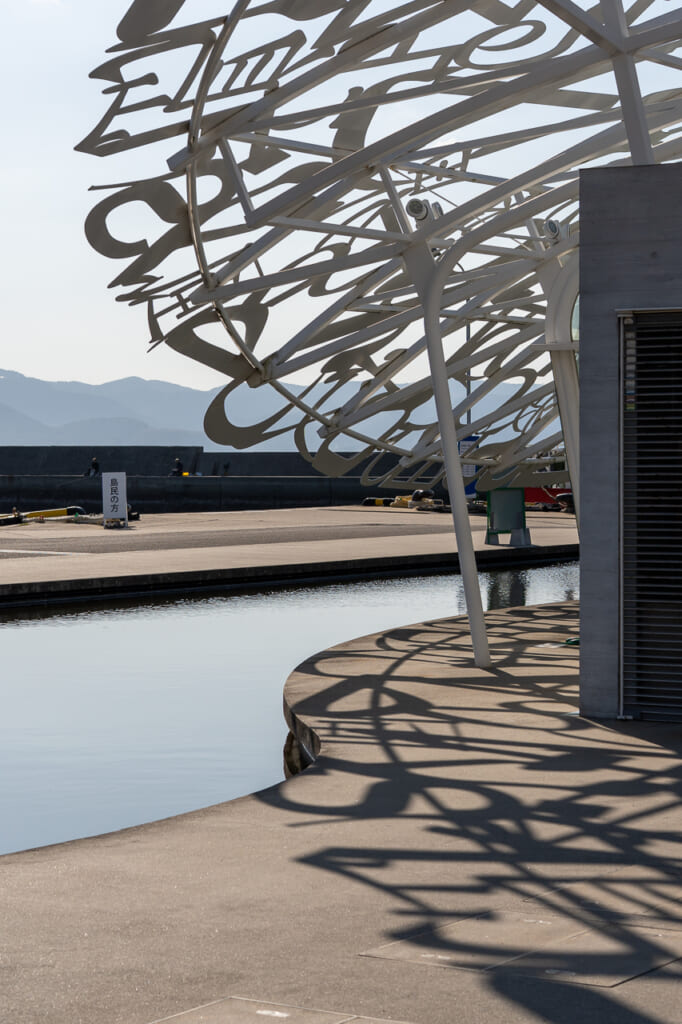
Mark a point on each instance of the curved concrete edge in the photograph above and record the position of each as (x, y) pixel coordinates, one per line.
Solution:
(305, 743)
(441, 794)
(302, 746)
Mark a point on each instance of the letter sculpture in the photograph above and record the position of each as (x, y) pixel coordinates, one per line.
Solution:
(318, 167)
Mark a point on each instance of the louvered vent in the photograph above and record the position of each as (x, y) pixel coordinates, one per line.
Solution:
(651, 529)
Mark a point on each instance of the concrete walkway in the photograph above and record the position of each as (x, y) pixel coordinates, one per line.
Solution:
(465, 849)
(59, 560)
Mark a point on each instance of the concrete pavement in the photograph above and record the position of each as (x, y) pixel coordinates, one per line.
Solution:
(59, 560)
(465, 848)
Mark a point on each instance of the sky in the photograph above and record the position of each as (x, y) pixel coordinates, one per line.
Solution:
(59, 321)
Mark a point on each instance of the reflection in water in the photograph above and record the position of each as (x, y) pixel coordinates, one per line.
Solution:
(506, 590)
(530, 586)
(117, 715)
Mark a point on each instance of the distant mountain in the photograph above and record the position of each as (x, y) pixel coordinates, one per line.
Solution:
(122, 430)
(133, 411)
(121, 412)
(18, 428)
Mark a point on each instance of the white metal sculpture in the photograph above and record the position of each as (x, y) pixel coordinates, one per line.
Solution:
(367, 204)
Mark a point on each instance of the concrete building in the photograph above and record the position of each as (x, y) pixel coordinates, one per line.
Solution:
(631, 441)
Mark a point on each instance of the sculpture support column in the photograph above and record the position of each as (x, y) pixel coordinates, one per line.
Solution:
(429, 280)
(453, 471)
(561, 283)
(565, 372)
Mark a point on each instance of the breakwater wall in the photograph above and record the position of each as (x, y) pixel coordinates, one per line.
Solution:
(32, 478)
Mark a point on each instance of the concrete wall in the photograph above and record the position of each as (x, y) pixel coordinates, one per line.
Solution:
(52, 477)
(630, 258)
(153, 460)
(63, 460)
(183, 494)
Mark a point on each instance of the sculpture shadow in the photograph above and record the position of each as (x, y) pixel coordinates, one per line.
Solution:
(498, 800)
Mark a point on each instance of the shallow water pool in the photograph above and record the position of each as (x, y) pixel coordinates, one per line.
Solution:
(115, 716)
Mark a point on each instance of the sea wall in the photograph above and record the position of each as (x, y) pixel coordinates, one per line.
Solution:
(51, 477)
(181, 494)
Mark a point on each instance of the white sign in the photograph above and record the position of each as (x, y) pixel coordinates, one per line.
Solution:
(468, 468)
(114, 499)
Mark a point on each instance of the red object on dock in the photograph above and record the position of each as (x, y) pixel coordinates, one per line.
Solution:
(544, 495)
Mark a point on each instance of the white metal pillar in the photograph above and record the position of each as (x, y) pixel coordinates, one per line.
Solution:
(429, 280)
(565, 371)
(453, 471)
(562, 292)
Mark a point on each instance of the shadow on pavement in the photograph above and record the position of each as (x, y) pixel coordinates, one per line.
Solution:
(503, 833)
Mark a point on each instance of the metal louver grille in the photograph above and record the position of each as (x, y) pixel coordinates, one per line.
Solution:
(651, 528)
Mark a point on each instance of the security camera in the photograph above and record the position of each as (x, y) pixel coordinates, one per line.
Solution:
(555, 230)
(419, 209)
(422, 209)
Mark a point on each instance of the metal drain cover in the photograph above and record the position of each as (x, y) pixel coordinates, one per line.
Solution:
(551, 946)
(236, 1010)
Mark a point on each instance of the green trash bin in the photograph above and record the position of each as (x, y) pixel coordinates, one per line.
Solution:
(507, 514)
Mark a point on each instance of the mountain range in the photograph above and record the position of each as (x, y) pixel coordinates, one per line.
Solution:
(133, 411)
(130, 411)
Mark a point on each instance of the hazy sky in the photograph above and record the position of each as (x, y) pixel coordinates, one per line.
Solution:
(59, 320)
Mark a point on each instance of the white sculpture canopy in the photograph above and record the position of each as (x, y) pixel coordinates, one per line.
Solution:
(363, 204)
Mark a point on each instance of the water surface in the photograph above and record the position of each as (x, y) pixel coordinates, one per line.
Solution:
(114, 716)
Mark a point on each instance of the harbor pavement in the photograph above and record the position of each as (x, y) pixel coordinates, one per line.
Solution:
(464, 848)
(57, 560)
